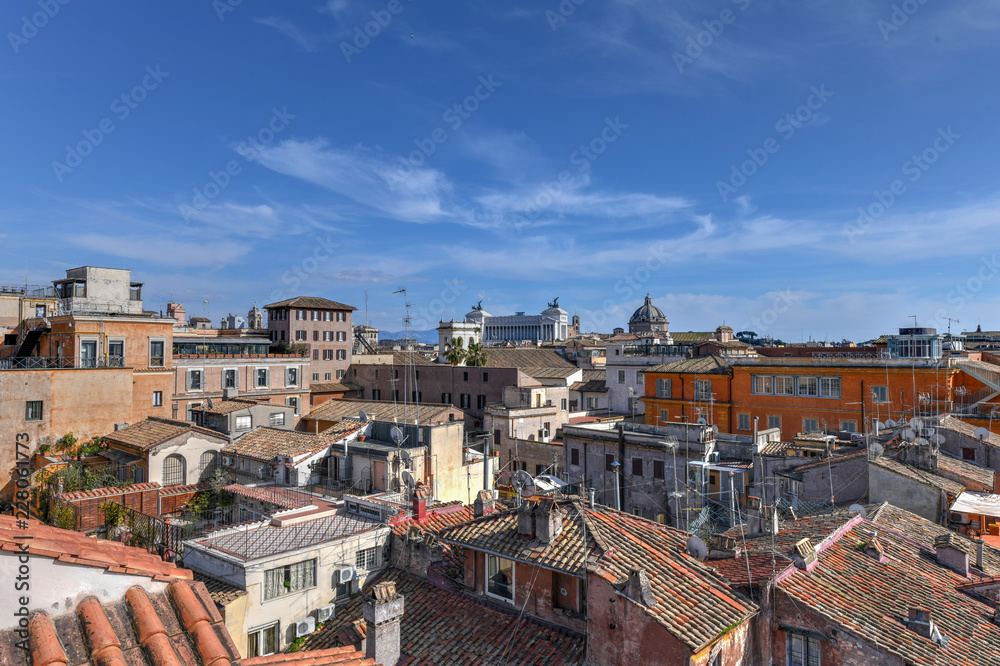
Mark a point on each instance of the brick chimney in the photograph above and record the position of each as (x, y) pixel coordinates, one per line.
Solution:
(483, 504)
(951, 556)
(176, 312)
(382, 611)
(548, 521)
(525, 520)
(420, 495)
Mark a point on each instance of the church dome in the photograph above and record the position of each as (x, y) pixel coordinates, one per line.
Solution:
(648, 313)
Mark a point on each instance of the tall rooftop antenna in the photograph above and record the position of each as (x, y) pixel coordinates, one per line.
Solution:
(366, 307)
(914, 320)
(204, 308)
(408, 351)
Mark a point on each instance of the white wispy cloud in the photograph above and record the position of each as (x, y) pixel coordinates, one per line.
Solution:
(290, 30)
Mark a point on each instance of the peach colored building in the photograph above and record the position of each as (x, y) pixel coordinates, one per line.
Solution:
(322, 325)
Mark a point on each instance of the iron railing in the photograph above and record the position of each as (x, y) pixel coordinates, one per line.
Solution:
(49, 363)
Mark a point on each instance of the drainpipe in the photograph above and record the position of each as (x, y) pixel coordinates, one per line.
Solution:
(616, 466)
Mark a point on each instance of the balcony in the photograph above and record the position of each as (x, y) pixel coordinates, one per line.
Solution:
(46, 363)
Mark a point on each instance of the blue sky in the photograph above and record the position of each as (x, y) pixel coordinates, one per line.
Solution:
(715, 154)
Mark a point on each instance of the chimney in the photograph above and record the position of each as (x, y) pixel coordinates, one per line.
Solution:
(526, 521)
(637, 588)
(980, 544)
(950, 555)
(754, 525)
(483, 504)
(548, 521)
(382, 612)
(420, 494)
(920, 621)
(230, 393)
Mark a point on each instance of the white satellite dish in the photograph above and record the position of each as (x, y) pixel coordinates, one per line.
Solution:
(879, 425)
(396, 434)
(981, 433)
(889, 423)
(405, 455)
(908, 434)
(920, 441)
(524, 483)
(210, 403)
(857, 508)
(696, 548)
(938, 438)
(916, 423)
(363, 416)
(408, 479)
(702, 420)
(877, 449)
(715, 429)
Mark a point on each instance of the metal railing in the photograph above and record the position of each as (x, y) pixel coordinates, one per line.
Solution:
(48, 363)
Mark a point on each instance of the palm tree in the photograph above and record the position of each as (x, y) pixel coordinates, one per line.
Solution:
(477, 355)
(454, 351)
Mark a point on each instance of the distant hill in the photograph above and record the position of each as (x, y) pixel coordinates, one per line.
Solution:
(429, 336)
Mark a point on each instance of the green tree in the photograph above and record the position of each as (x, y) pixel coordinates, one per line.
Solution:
(454, 351)
(477, 355)
(65, 444)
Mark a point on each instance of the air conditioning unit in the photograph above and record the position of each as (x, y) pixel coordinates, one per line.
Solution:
(713, 457)
(543, 433)
(227, 461)
(960, 518)
(324, 613)
(120, 426)
(305, 626)
(345, 575)
(262, 473)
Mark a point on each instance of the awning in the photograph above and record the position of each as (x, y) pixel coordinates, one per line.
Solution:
(980, 504)
(119, 456)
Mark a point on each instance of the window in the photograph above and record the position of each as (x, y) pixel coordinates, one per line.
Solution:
(637, 467)
(968, 454)
(116, 353)
(465, 376)
(33, 410)
(563, 404)
(446, 398)
(702, 389)
(315, 376)
(416, 396)
(500, 577)
(574, 457)
(466, 401)
(316, 355)
(326, 377)
(763, 384)
(173, 470)
(539, 469)
(664, 416)
(658, 469)
(486, 376)
(829, 387)
(376, 394)
(276, 419)
(366, 559)
(638, 377)
(326, 315)
(803, 650)
(229, 379)
(289, 578)
(157, 398)
(207, 464)
(291, 376)
(300, 335)
(809, 425)
(341, 354)
(156, 353)
(849, 426)
(341, 316)
(480, 401)
(293, 403)
(194, 380)
(773, 421)
(621, 376)
(808, 386)
(742, 421)
(262, 377)
(342, 336)
(880, 393)
(327, 354)
(609, 460)
(784, 385)
(315, 336)
(262, 642)
(340, 374)
(662, 388)
(243, 422)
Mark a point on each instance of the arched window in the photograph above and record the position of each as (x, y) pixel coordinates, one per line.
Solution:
(207, 465)
(173, 470)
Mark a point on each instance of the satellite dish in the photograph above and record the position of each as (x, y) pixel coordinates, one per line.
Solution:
(406, 456)
(921, 441)
(363, 416)
(715, 429)
(879, 425)
(696, 548)
(408, 479)
(702, 420)
(889, 423)
(210, 403)
(981, 433)
(916, 423)
(857, 508)
(524, 483)
(938, 438)
(877, 449)
(908, 434)
(396, 434)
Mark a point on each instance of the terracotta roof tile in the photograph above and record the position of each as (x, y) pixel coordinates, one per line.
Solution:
(703, 365)
(313, 302)
(152, 431)
(278, 495)
(265, 443)
(438, 518)
(377, 410)
(526, 357)
(965, 471)
(442, 627)
(232, 405)
(101, 492)
(953, 488)
(338, 656)
(221, 592)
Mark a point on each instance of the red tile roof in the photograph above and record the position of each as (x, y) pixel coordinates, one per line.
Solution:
(687, 592)
(152, 431)
(102, 492)
(312, 302)
(965, 471)
(266, 443)
(438, 518)
(277, 495)
(442, 627)
(71, 547)
(952, 488)
(341, 656)
(232, 405)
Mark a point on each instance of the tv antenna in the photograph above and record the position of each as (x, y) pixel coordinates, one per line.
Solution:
(524, 483)
(950, 320)
(914, 320)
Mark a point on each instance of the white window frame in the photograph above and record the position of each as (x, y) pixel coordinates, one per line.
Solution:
(163, 362)
(807, 387)
(310, 562)
(273, 421)
(260, 642)
(292, 375)
(762, 385)
(808, 643)
(784, 385)
(513, 579)
(365, 557)
(829, 387)
(880, 394)
(256, 378)
(663, 387)
(157, 398)
(190, 380)
(247, 420)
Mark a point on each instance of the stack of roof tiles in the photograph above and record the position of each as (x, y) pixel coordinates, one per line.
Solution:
(443, 627)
